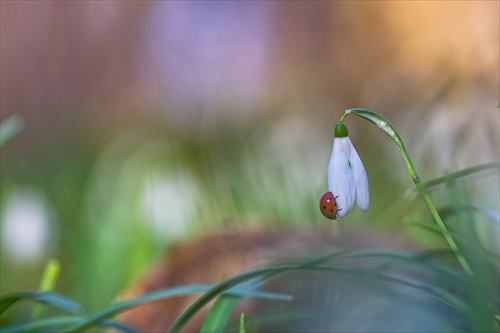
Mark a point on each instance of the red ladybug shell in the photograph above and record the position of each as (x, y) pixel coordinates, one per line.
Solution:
(328, 206)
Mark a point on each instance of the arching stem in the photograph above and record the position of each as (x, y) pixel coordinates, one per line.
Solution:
(389, 129)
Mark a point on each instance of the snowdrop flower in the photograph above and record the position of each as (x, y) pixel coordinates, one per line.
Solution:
(346, 174)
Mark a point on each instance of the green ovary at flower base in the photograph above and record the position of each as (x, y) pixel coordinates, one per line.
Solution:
(346, 174)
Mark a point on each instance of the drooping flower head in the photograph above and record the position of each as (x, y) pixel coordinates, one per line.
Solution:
(346, 174)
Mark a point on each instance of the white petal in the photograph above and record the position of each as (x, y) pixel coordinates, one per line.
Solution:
(340, 176)
(360, 180)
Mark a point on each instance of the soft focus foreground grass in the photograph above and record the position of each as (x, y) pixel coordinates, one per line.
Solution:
(118, 203)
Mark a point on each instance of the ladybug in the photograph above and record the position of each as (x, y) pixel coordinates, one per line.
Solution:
(328, 206)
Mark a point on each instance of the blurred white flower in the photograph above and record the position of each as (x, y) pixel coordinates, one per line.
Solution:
(346, 174)
(28, 231)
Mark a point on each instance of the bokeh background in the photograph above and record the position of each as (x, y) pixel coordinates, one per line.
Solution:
(149, 122)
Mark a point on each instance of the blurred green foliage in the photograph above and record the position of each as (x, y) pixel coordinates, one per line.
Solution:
(118, 203)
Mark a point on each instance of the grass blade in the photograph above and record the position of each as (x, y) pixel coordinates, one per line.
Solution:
(111, 311)
(47, 283)
(315, 264)
(219, 314)
(241, 327)
(264, 273)
(118, 326)
(46, 324)
(453, 176)
(50, 298)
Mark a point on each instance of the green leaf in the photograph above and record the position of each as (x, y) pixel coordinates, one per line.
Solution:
(380, 121)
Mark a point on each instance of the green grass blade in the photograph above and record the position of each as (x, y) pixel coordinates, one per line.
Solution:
(429, 227)
(241, 326)
(315, 264)
(50, 298)
(47, 283)
(238, 279)
(250, 292)
(9, 300)
(217, 290)
(119, 326)
(219, 314)
(451, 177)
(53, 324)
(453, 210)
(431, 185)
(430, 289)
(111, 311)
(263, 273)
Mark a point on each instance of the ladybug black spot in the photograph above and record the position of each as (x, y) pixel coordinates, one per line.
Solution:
(324, 207)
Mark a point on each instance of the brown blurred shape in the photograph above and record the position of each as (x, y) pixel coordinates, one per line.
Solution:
(224, 254)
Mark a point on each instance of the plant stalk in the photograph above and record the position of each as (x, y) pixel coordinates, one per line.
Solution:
(382, 123)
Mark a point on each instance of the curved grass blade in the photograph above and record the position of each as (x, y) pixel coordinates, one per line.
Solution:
(49, 298)
(451, 177)
(46, 324)
(266, 273)
(219, 289)
(460, 174)
(219, 314)
(450, 210)
(429, 227)
(266, 295)
(111, 311)
(435, 291)
(95, 319)
(118, 326)
(268, 317)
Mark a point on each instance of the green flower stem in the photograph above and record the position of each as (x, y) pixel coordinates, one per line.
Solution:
(389, 129)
